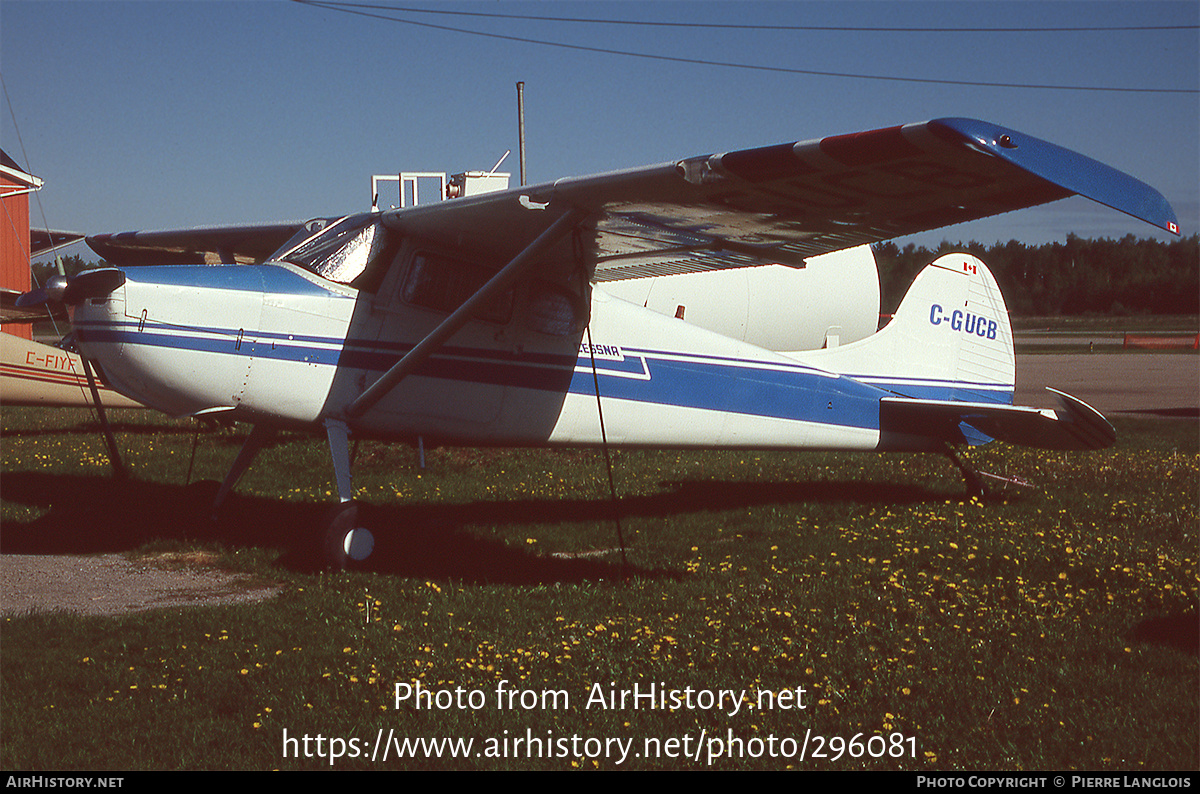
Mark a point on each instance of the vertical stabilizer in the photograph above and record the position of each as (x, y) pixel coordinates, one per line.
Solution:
(949, 340)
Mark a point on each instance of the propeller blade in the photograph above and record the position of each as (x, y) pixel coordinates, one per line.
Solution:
(37, 297)
(70, 291)
(42, 296)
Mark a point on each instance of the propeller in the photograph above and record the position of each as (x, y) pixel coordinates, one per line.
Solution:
(61, 290)
(74, 290)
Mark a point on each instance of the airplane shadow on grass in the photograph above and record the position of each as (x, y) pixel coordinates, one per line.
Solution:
(100, 514)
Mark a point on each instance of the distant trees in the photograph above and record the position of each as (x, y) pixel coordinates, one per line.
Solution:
(71, 264)
(1126, 276)
(1120, 277)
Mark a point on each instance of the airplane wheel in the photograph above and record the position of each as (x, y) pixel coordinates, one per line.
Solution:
(347, 542)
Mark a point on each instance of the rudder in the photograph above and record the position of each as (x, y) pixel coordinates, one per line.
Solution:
(949, 340)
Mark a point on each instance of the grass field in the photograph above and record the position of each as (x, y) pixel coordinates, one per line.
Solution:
(1049, 627)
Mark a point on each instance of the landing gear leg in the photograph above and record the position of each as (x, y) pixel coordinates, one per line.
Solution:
(113, 455)
(346, 541)
(974, 484)
(259, 436)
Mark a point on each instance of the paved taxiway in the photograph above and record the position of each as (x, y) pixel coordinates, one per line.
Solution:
(1163, 384)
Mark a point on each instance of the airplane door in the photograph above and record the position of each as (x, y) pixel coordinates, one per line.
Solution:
(461, 389)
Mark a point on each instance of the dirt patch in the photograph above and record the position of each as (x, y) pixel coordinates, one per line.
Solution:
(111, 584)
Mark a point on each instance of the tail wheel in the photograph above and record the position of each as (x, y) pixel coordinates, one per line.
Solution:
(347, 541)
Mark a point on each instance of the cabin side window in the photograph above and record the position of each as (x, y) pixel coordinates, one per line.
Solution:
(554, 310)
(443, 284)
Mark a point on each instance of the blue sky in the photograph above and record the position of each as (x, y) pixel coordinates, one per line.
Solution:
(153, 115)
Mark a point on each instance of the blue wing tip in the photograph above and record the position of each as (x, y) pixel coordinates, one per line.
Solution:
(1065, 168)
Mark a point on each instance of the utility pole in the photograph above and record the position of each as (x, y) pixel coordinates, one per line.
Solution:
(521, 126)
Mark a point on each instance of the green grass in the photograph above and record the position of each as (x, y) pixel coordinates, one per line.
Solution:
(1051, 627)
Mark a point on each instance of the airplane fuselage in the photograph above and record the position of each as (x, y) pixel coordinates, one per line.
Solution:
(35, 374)
(273, 343)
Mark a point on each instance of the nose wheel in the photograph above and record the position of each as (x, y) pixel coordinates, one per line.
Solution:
(343, 538)
(347, 541)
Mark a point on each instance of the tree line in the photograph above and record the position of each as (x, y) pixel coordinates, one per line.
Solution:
(72, 264)
(1116, 277)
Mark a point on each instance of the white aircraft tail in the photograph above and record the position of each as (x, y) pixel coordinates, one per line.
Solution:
(947, 357)
(949, 340)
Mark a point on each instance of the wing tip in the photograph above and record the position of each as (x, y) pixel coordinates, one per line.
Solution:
(1067, 169)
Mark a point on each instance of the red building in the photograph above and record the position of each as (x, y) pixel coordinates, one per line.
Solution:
(15, 187)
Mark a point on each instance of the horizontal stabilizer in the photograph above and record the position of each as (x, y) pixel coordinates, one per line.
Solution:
(1074, 426)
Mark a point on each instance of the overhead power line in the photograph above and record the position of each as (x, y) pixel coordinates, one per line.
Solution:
(360, 10)
(729, 26)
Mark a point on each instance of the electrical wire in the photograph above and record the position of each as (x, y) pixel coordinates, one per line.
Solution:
(728, 26)
(354, 9)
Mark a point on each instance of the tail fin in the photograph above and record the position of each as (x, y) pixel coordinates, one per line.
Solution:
(949, 340)
(947, 356)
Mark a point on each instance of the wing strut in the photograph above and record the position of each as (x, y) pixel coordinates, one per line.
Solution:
(462, 315)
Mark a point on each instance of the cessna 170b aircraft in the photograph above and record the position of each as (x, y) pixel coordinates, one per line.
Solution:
(726, 300)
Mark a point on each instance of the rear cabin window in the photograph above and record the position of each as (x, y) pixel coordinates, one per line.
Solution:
(443, 284)
(554, 310)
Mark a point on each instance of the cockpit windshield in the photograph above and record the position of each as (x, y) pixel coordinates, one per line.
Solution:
(341, 251)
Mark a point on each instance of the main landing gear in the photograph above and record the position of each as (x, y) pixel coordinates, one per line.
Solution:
(343, 539)
(347, 542)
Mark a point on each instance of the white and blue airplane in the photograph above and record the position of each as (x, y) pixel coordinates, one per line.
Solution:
(727, 300)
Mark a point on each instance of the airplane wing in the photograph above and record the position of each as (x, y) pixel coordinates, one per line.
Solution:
(40, 241)
(219, 244)
(781, 204)
(43, 241)
(777, 204)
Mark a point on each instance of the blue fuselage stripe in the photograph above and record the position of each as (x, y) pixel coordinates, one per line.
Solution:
(657, 377)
